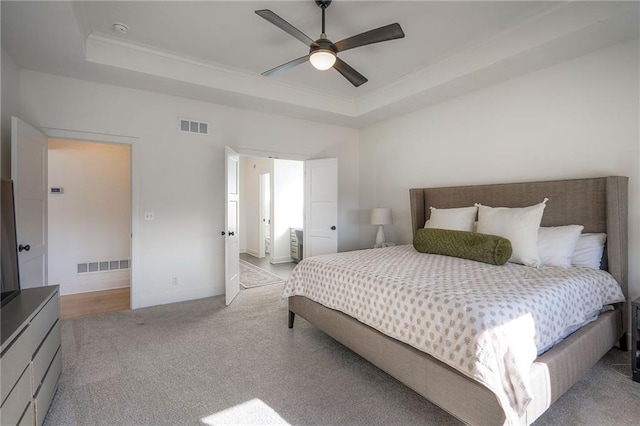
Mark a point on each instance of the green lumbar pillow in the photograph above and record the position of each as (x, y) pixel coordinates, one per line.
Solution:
(467, 245)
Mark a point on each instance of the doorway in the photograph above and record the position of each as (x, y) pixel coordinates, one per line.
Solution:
(89, 223)
(271, 210)
(319, 211)
(265, 213)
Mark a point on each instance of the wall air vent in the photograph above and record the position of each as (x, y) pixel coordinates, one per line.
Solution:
(191, 126)
(103, 266)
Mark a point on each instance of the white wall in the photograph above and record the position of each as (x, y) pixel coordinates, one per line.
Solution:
(10, 105)
(180, 176)
(250, 221)
(287, 206)
(573, 120)
(91, 220)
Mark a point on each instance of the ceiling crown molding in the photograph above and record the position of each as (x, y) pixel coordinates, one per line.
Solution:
(117, 53)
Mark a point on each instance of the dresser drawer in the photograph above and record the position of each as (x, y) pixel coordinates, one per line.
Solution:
(17, 401)
(45, 354)
(19, 354)
(48, 387)
(48, 315)
(16, 359)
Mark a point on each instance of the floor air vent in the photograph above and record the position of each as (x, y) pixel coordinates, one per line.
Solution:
(191, 126)
(103, 266)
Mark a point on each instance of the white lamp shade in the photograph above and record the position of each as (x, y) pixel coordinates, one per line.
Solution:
(322, 59)
(381, 216)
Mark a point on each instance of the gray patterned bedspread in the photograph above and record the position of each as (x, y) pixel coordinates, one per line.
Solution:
(489, 322)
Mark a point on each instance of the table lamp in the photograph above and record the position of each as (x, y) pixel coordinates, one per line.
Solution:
(380, 216)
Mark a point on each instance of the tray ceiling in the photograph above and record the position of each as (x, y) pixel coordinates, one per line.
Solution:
(216, 50)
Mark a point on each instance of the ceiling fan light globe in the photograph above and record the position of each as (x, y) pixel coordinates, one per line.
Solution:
(322, 59)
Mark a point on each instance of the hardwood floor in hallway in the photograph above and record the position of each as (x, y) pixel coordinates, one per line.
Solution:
(94, 303)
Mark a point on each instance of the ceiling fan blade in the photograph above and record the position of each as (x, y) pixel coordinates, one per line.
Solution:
(388, 32)
(285, 26)
(288, 65)
(349, 73)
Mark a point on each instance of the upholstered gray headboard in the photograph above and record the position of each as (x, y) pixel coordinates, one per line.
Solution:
(600, 204)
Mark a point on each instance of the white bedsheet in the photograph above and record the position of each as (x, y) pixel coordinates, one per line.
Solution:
(489, 322)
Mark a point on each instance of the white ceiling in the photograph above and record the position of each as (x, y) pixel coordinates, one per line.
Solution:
(216, 50)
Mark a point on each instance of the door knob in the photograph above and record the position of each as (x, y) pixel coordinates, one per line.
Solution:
(223, 233)
(333, 228)
(26, 247)
(231, 233)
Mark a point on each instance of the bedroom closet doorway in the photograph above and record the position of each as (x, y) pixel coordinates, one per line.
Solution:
(271, 218)
(89, 225)
(75, 174)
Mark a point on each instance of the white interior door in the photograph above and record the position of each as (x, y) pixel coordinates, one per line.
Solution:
(29, 151)
(321, 207)
(230, 233)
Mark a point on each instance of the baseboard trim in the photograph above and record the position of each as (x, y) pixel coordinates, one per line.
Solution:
(179, 296)
(253, 253)
(95, 291)
(281, 260)
(92, 286)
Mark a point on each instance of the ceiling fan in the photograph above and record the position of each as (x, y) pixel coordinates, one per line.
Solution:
(323, 52)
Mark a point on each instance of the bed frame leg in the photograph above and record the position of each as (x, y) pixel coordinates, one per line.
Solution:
(292, 316)
(624, 346)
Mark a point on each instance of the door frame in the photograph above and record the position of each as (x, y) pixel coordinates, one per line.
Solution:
(133, 142)
(261, 242)
(289, 156)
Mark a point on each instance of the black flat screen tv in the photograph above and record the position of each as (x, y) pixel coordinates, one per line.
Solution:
(9, 276)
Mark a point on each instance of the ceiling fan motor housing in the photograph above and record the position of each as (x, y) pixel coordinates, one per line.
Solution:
(323, 3)
(323, 44)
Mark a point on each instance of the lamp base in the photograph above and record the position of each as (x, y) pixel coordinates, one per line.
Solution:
(380, 242)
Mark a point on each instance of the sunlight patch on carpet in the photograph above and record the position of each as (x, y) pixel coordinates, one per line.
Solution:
(253, 412)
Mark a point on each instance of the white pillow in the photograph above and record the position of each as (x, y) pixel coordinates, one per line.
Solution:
(589, 250)
(556, 244)
(458, 219)
(518, 225)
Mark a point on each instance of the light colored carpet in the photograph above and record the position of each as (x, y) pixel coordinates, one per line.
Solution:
(253, 276)
(198, 362)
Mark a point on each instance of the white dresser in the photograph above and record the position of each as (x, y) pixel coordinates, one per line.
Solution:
(31, 358)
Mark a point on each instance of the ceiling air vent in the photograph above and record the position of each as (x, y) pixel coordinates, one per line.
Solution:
(192, 126)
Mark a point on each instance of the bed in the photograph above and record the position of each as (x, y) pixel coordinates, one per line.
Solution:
(599, 204)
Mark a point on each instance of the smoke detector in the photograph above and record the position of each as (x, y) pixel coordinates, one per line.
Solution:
(120, 28)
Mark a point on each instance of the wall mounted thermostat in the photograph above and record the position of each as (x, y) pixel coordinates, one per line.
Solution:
(56, 190)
